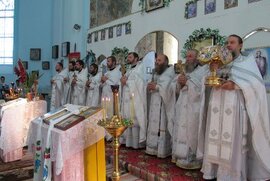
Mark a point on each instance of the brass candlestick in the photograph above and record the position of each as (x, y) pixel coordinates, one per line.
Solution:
(115, 126)
(214, 54)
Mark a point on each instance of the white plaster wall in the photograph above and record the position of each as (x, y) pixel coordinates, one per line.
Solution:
(238, 20)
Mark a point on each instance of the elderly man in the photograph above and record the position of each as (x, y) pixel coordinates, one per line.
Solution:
(235, 141)
(134, 95)
(92, 86)
(158, 140)
(58, 98)
(186, 112)
(78, 84)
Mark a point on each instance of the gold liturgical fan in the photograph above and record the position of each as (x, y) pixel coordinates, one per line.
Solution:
(115, 126)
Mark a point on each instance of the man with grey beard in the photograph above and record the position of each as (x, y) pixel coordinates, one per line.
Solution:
(184, 117)
(158, 141)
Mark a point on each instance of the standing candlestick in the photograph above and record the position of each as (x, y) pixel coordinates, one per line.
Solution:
(115, 126)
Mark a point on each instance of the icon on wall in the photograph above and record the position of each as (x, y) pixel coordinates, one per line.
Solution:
(65, 49)
(35, 53)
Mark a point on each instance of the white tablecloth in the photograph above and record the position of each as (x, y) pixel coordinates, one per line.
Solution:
(15, 119)
(67, 146)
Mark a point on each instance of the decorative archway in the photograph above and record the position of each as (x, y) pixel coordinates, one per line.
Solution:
(202, 35)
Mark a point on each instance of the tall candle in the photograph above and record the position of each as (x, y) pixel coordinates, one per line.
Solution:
(109, 108)
(103, 107)
(132, 109)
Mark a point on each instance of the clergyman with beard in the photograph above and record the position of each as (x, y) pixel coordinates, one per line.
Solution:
(78, 84)
(111, 77)
(134, 92)
(185, 115)
(234, 134)
(92, 86)
(67, 81)
(57, 82)
(158, 141)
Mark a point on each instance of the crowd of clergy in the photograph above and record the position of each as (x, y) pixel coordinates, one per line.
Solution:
(224, 129)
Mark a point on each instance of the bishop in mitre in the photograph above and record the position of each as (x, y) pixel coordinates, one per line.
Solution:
(234, 137)
(158, 141)
(186, 112)
(78, 84)
(92, 86)
(111, 77)
(58, 98)
(134, 95)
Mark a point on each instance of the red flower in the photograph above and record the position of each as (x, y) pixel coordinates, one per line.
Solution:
(20, 72)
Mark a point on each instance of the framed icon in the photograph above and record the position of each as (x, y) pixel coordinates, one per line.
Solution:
(153, 4)
(35, 53)
(55, 50)
(45, 65)
(65, 49)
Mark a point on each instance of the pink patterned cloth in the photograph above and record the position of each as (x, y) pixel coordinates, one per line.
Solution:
(15, 120)
(67, 146)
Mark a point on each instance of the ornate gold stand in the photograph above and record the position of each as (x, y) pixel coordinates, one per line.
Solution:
(115, 126)
(218, 55)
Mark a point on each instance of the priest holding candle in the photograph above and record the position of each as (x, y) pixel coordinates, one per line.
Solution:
(134, 94)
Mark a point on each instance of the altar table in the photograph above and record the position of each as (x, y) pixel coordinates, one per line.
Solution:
(15, 117)
(77, 153)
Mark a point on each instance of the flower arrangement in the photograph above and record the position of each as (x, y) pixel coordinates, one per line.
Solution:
(27, 80)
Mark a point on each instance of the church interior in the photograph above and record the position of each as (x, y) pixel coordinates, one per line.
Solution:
(154, 90)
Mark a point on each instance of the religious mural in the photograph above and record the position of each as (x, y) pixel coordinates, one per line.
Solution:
(104, 11)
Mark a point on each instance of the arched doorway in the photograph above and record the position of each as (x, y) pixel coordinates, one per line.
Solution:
(160, 42)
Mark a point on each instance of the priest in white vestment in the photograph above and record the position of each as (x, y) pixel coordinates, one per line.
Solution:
(234, 137)
(58, 97)
(67, 81)
(111, 77)
(78, 84)
(133, 102)
(92, 86)
(186, 112)
(158, 141)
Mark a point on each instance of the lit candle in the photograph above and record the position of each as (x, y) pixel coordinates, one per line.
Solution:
(109, 109)
(132, 109)
(103, 107)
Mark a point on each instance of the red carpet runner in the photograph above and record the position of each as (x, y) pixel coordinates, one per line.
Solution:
(151, 168)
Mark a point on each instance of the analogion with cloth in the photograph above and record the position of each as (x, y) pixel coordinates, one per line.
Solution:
(71, 152)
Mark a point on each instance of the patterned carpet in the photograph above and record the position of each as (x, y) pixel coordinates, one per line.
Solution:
(150, 168)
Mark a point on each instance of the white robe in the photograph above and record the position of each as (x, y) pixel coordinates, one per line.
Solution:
(78, 90)
(93, 93)
(68, 86)
(235, 142)
(114, 77)
(58, 96)
(135, 136)
(158, 140)
(186, 119)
